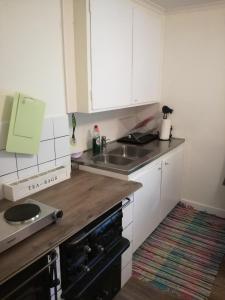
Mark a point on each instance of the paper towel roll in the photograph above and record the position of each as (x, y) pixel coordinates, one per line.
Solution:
(165, 130)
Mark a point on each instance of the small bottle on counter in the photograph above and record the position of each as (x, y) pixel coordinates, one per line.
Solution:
(96, 140)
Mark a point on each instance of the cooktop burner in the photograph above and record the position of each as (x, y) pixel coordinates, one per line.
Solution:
(22, 213)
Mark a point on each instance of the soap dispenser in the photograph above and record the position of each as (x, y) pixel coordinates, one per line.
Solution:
(96, 140)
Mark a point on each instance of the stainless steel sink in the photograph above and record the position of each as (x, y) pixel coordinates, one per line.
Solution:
(130, 151)
(112, 159)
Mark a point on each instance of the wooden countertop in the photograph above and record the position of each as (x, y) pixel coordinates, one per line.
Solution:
(82, 198)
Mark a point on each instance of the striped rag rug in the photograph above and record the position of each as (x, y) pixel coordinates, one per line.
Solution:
(182, 256)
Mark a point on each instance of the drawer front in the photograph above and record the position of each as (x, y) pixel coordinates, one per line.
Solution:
(127, 215)
(126, 274)
(128, 232)
(127, 256)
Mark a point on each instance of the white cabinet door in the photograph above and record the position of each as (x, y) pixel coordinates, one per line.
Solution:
(111, 53)
(172, 169)
(147, 53)
(147, 211)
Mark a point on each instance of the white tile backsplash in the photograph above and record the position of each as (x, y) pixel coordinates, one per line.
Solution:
(61, 126)
(63, 161)
(46, 151)
(26, 161)
(46, 166)
(7, 163)
(62, 146)
(47, 130)
(54, 151)
(28, 172)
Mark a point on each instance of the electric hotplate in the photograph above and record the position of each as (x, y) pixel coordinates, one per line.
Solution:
(22, 213)
(22, 220)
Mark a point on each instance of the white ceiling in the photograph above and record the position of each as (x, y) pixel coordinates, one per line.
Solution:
(172, 4)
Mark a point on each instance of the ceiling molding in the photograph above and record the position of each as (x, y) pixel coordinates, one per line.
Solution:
(151, 4)
(186, 7)
(195, 7)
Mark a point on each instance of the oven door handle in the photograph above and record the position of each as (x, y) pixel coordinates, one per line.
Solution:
(54, 257)
(83, 236)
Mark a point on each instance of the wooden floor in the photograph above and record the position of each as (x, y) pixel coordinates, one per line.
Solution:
(137, 290)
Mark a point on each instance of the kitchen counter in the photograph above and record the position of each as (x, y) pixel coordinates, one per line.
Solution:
(83, 198)
(156, 149)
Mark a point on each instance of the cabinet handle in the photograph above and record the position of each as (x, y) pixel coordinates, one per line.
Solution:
(159, 168)
(166, 163)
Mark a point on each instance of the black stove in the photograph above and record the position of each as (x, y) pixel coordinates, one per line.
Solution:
(91, 260)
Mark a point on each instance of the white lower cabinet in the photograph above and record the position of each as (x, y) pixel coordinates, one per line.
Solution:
(127, 256)
(160, 193)
(172, 169)
(126, 274)
(147, 206)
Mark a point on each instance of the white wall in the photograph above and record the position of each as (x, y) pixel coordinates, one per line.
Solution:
(194, 85)
(31, 62)
(31, 59)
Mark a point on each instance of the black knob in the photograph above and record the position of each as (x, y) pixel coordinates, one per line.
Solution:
(87, 249)
(57, 215)
(106, 293)
(55, 283)
(100, 248)
(85, 269)
(99, 298)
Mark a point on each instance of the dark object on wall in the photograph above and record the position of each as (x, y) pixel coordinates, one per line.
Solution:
(138, 138)
(166, 110)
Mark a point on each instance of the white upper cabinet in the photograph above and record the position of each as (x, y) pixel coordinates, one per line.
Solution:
(117, 54)
(111, 53)
(147, 54)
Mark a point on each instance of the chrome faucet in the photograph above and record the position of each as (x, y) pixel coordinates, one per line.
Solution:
(104, 141)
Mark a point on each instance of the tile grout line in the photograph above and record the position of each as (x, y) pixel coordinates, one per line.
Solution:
(17, 171)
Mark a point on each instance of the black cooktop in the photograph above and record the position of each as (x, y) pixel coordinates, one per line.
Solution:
(22, 213)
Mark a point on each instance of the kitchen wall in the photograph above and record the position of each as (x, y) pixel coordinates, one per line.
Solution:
(194, 85)
(113, 124)
(31, 57)
(31, 62)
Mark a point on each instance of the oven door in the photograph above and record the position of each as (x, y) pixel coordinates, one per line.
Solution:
(33, 283)
(103, 281)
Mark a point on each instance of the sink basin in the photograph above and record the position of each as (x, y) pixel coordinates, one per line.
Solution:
(130, 151)
(112, 159)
